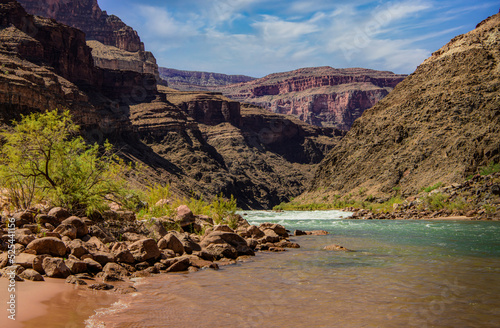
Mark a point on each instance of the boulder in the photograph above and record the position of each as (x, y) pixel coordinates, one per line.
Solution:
(222, 227)
(277, 228)
(101, 286)
(270, 237)
(219, 251)
(155, 228)
(47, 221)
(254, 232)
(55, 268)
(23, 218)
(24, 236)
(103, 257)
(336, 248)
(38, 263)
(181, 264)
(59, 214)
(97, 232)
(32, 275)
(48, 245)
(67, 230)
(189, 244)
(144, 250)
(114, 272)
(92, 265)
(133, 237)
(286, 244)
(184, 216)
(317, 232)
(95, 244)
(299, 233)
(79, 224)
(75, 281)
(122, 253)
(18, 269)
(76, 266)
(25, 260)
(77, 248)
(226, 239)
(170, 241)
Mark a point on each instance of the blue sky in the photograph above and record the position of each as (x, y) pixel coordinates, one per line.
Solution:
(259, 37)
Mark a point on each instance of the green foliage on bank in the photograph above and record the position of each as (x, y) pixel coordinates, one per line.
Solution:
(161, 202)
(42, 160)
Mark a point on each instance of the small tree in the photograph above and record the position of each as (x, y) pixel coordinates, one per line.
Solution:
(43, 159)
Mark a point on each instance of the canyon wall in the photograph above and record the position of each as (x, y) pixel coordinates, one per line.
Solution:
(441, 124)
(115, 45)
(198, 81)
(322, 96)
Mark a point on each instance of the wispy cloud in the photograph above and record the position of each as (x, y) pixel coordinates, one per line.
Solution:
(258, 37)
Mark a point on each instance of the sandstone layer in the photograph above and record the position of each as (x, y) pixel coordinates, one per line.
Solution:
(196, 81)
(115, 46)
(439, 125)
(323, 96)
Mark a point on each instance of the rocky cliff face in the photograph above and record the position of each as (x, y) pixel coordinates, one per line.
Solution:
(439, 125)
(260, 157)
(322, 96)
(200, 143)
(196, 81)
(115, 46)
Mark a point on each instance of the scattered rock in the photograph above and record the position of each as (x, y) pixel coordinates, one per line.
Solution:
(336, 248)
(25, 260)
(67, 230)
(79, 224)
(114, 272)
(48, 245)
(55, 268)
(101, 286)
(93, 266)
(74, 280)
(59, 214)
(170, 241)
(76, 266)
(184, 216)
(144, 250)
(32, 275)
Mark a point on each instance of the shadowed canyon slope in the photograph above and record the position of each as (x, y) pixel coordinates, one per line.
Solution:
(439, 125)
(323, 96)
(114, 44)
(201, 143)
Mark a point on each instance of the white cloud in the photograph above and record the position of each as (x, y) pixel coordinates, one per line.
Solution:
(274, 29)
(161, 23)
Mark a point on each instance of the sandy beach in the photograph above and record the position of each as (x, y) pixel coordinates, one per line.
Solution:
(47, 304)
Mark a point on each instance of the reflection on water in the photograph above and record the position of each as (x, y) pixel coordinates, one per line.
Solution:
(402, 274)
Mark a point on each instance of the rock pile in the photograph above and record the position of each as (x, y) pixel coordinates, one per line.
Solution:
(114, 246)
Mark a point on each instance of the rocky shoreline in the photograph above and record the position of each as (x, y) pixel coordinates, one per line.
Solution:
(475, 199)
(114, 246)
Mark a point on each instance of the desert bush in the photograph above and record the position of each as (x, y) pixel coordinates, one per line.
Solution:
(42, 159)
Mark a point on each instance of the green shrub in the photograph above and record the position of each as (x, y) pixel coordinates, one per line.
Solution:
(436, 202)
(431, 188)
(491, 168)
(42, 159)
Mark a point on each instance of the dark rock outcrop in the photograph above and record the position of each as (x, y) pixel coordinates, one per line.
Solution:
(115, 45)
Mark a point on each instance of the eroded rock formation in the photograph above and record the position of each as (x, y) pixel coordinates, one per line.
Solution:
(322, 96)
(115, 45)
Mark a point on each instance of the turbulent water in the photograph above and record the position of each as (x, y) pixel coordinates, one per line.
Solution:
(401, 274)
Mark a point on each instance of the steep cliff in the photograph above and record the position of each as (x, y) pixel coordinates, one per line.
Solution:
(200, 143)
(215, 146)
(439, 125)
(193, 81)
(322, 96)
(115, 46)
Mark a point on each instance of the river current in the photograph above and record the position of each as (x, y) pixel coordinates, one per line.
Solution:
(400, 274)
